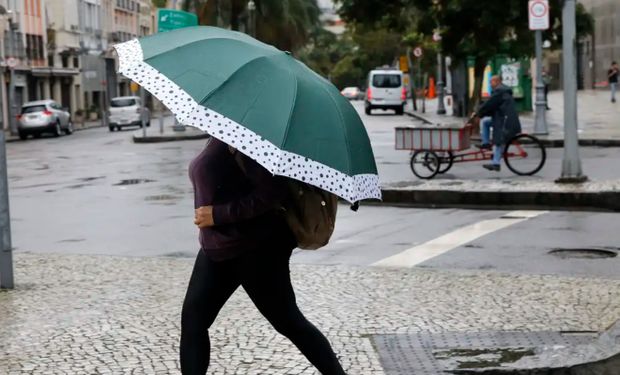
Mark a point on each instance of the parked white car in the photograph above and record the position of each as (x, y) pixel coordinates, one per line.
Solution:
(352, 93)
(43, 116)
(127, 111)
(386, 90)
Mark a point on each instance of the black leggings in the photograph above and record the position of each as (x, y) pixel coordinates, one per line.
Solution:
(265, 277)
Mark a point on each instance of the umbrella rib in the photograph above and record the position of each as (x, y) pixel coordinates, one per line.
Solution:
(346, 138)
(290, 115)
(206, 97)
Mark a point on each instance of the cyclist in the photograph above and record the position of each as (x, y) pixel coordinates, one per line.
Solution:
(504, 120)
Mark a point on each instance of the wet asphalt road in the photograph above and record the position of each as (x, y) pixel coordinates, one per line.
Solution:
(97, 192)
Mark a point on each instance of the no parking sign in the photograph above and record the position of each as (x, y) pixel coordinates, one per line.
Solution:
(538, 14)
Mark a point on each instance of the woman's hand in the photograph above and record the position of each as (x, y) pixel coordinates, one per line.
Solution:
(204, 217)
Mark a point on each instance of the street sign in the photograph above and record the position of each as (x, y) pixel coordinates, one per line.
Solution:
(12, 62)
(404, 64)
(436, 36)
(417, 52)
(170, 19)
(538, 14)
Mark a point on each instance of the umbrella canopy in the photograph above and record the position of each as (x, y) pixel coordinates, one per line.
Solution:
(260, 100)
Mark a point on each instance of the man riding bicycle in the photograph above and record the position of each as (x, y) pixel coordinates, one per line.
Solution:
(504, 120)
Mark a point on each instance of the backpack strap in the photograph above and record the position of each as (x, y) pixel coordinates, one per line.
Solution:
(238, 159)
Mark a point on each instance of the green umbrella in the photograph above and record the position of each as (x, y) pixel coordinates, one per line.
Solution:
(259, 100)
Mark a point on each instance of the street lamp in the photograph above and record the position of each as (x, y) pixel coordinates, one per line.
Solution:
(251, 17)
(6, 257)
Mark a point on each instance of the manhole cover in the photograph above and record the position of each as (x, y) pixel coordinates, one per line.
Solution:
(133, 181)
(583, 253)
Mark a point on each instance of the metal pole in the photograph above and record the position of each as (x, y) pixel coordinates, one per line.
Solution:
(3, 103)
(412, 82)
(6, 256)
(252, 21)
(540, 125)
(441, 109)
(12, 103)
(161, 121)
(571, 164)
(142, 107)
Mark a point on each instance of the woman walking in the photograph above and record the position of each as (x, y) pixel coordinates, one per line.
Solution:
(244, 242)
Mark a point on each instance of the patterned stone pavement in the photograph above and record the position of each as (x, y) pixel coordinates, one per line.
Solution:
(112, 315)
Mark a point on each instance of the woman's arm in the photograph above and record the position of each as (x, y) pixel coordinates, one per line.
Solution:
(266, 195)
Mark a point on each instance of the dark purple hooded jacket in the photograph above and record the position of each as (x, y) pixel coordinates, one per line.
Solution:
(245, 204)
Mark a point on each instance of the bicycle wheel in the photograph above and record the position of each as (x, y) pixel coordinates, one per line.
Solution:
(446, 159)
(425, 164)
(525, 155)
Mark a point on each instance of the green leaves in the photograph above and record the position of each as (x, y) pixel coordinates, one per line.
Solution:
(287, 24)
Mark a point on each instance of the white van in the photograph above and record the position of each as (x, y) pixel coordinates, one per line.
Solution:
(386, 90)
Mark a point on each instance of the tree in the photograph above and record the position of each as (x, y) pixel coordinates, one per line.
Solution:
(159, 3)
(287, 24)
(469, 28)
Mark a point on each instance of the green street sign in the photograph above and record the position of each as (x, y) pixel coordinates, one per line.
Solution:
(170, 19)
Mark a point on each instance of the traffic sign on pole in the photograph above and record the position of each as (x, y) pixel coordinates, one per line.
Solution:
(538, 11)
(417, 52)
(170, 19)
(12, 62)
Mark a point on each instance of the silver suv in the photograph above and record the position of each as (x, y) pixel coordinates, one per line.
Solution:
(43, 116)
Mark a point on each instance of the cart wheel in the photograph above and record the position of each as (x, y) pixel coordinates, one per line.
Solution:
(525, 155)
(447, 159)
(425, 164)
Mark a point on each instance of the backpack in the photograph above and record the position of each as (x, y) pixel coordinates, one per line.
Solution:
(310, 212)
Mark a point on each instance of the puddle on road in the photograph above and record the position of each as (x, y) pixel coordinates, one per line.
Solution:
(162, 198)
(179, 254)
(133, 181)
(72, 240)
(87, 179)
(480, 358)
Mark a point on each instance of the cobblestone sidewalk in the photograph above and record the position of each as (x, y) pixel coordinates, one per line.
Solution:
(111, 315)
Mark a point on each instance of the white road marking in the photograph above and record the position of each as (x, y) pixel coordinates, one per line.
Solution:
(428, 250)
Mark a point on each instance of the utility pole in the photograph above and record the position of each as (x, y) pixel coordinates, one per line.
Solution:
(252, 18)
(571, 164)
(12, 103)
(6, 248)
(540, 124)
(441, 109)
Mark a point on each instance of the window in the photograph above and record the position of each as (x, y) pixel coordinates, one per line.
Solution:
(116, 103)
(65, 61)
(33, 109)
(386, 80)
(34, 47)
(76, 62)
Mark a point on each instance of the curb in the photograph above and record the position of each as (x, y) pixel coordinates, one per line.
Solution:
(419, 117)
(169, 138)
(563, 201)
(9, 139)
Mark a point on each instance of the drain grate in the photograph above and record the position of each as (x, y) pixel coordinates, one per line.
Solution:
(424, 353)
(133, 181)
(592, 253)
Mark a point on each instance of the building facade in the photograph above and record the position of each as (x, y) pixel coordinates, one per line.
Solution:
(599, 51)
(63, 50)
